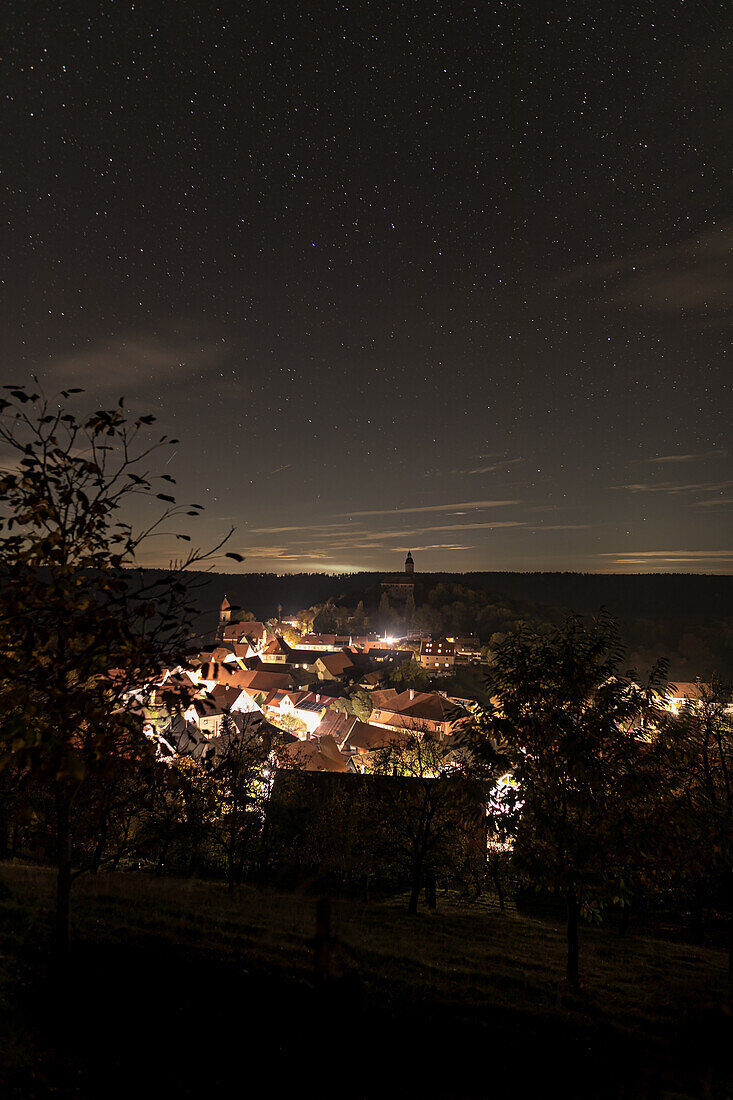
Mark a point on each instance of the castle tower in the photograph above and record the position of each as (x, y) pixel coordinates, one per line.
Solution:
(409, 563)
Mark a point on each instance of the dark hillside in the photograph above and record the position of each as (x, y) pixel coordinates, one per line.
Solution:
(662, 595)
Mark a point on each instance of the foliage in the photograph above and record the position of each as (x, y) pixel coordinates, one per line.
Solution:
(696, 793)
(357, 702)
(436, 812)
(567, 720)
(408, 674)
(81, 628)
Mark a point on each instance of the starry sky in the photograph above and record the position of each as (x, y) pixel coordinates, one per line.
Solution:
(441, 276)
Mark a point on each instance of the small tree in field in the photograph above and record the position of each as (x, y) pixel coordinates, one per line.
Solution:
(698, 807)
(434, 815)
(567, 719)
(239, 770)
(81, 628)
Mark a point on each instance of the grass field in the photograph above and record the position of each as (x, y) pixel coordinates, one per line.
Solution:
(178, 989)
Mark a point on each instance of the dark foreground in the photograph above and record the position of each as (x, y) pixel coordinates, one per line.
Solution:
(176, 989)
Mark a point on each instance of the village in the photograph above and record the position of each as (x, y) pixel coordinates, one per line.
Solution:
(324, 702)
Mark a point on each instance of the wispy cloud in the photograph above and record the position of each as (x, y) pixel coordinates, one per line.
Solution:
(133, 363)
(713, 503)
(399, 533)
(673, 488)
(477, 504)
(560, 527)
(656, 558)
(698, 457)
(503, 464)
(296, 527)
(343, 535)
(694, 274)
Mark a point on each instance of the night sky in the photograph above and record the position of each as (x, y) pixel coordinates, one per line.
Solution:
(445, 277)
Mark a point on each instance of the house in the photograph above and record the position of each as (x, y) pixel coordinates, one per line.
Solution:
(250, 631)
(364, 641)
(333, 666)
(315, 755)
(337, 724)
(305, 706)
(175, 688)
(305, 658)
(688, 694)
(207, 710)
(205, 715)
(259, 684)
(184, 738)
(263, 679)
(318, 641)
(276, 651)
(419, 712)
(467, 649)
(354, 736)
(439, 656)
(380, 652)
(244, 704)
(364, 738)
(208, 675)
(373, 678)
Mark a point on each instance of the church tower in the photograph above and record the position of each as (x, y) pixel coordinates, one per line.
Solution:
(409, 563)
(225, 616)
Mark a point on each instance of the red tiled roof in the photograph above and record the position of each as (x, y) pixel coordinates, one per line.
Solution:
(248, 629)
(366, 738)
(262, 681)
(687, 690)
(318, 755)
(336, 663)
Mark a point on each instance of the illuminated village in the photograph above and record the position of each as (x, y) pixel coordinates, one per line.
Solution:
(326, 702)
(325, 699)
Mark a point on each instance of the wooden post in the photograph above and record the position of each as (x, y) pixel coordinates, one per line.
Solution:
(430, 891)
(322, 941)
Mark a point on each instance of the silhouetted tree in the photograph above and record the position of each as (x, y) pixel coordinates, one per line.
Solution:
(434, 816)
(241, 756)
(698, 807)
(357, 702)
(81, 629)
(567, 718)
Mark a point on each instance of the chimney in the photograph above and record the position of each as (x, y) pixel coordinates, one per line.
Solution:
(412, 694)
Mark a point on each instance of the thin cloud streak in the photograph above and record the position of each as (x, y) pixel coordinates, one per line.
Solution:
(699, 457)
(670, 554)
(297, 527)
(492, 468)
(671, 488)
(435, 508)
(368, 538)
